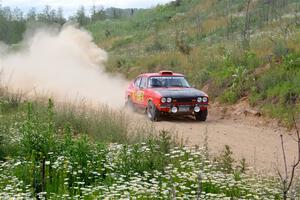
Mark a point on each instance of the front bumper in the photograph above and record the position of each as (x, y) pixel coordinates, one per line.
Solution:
(184, 108)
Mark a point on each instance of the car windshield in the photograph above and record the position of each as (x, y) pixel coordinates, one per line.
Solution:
(168, 81)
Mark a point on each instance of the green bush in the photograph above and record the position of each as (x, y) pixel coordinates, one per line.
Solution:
(226, 161)
(122, 43)
(119, 171)
(255, 98)
(250, 60)
(212, 58)
(2, 147)
(280, 49)
(57, 161)
(101, 124)
(229, 96)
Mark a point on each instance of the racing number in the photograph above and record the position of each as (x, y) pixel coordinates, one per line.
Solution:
(140, 93)
(139, 96)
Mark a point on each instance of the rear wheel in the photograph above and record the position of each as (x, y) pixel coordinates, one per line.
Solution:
(152, 112)
(201, 116)
(129, 104)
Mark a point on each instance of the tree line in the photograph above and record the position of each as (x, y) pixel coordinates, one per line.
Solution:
(13, 22)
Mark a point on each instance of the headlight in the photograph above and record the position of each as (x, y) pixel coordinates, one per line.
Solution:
(163, 100)
(199, 99)
(169, 100)
(204, 99)
(197, 109)
(174, 109)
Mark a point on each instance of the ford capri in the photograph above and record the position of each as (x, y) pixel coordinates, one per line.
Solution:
(166, 93)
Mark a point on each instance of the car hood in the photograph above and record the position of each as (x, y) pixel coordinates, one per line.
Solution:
(179, 92)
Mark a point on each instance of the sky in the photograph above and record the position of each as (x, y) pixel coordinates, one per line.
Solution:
(70, 6)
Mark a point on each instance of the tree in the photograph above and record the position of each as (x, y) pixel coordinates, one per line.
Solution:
(46, 12)
(17, 15)
(296, 13)
(116, 13)
(98, 13)
(177, 3)
(51, 16)
(60, 17)
(3, 26)
(131, 11)
(81, 17)
(198, 24)
(286, 178)
(12, 25)
(180, 34)
(45, 15)
(229, 18)
(246, 30)
(7, 13)
(31, 15)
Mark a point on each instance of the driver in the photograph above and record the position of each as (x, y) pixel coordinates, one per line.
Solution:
(155, 82)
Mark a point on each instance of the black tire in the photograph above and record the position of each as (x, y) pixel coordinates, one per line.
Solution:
(152, 112)
(201, 116)
(129, 104)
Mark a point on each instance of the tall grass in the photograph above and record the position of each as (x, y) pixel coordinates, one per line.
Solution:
(148, 42)
(101, 124)
(57, 152)
(57, 163)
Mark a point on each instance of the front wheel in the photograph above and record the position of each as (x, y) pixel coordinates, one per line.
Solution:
(152, 112)
(201, 116)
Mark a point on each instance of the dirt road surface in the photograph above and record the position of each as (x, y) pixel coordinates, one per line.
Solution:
(253, 138)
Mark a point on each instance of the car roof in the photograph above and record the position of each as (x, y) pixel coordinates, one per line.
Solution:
(160, 74)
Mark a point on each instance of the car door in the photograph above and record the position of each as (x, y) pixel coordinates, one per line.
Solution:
(143, 91)
(135, 89)
(139, 89)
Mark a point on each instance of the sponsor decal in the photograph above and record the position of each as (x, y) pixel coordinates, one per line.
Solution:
(139, 96)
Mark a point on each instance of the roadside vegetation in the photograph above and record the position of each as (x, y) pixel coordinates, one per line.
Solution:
(233, 49)
(46, 156)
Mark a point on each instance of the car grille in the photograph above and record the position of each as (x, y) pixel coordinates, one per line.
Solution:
(184, 100)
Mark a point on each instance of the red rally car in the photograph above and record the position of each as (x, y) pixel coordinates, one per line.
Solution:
(166, 93)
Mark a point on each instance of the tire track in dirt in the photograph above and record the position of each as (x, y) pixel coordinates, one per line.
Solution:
(249, 138)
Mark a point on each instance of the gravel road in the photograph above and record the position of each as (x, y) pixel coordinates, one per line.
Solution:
(253, 138)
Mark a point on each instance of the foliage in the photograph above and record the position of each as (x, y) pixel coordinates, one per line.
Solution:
(201, 39)
(123, 171)
(14, 22)
(205, 41)
(51, 159)
(72, 151)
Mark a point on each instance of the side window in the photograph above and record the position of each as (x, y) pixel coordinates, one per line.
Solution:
(137, 82)
(143, 82)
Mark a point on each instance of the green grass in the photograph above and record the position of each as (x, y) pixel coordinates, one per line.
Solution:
(18, 116)
(79, 153)
(155, 39)
(57, 163)
(73, 151)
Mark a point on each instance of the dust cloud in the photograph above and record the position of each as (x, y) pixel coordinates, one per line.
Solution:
(63, 64)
